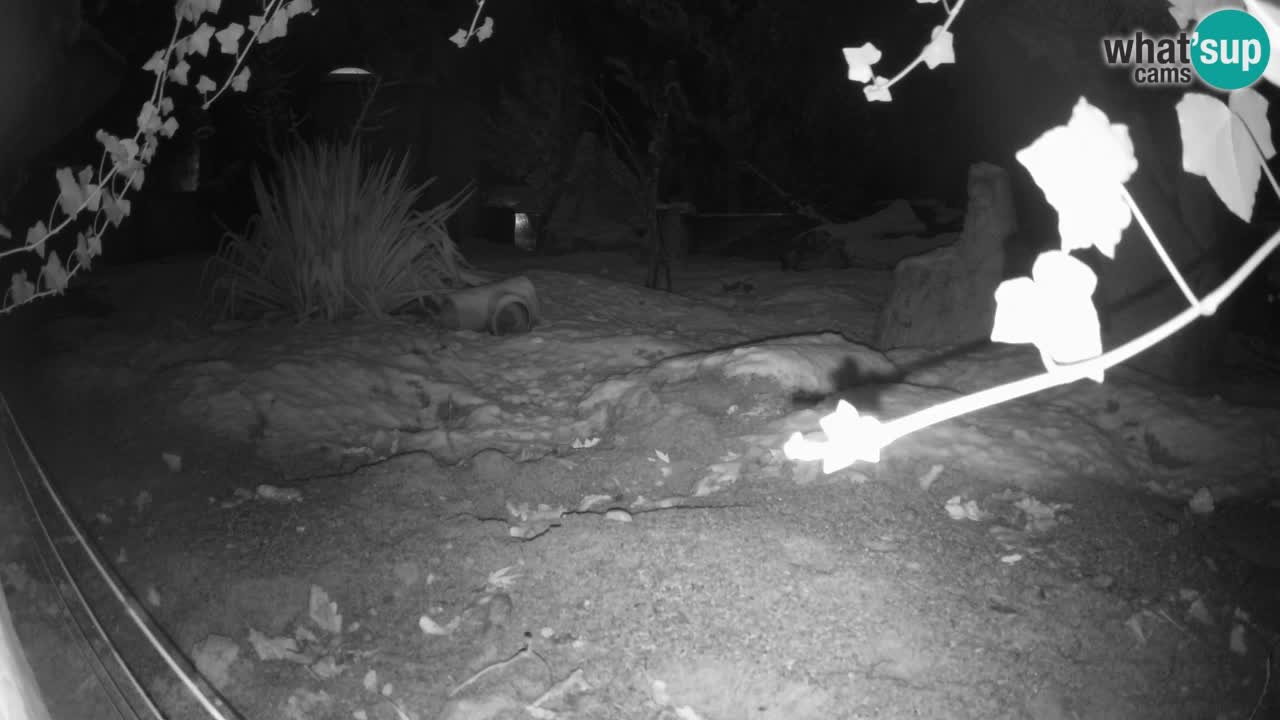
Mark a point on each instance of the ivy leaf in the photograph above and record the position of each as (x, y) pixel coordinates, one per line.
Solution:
(128, 159)
(169, 127)
(240, 82)
(229, 38)
(166, 105)
(878, 90)
(5, 234)
(459, 38)
(256, 26)
(294, 8)
(54, 273)
(193, 9)
(860, 60)
(941, 49)
(87, 248)
(199, 40)
(88, 188)
(157, 64)
(179, 72)
(21, 288)
(122, 152)
(204, 85)
(148, 119)
(148, 149)
(35, 238)
(485, 31)
(279, 24)
(70, 197)
(1081, 167)
(109, 142)
(1053, 309)
(93, 197)
(1216, 143)
(116, 209)
(268, 30)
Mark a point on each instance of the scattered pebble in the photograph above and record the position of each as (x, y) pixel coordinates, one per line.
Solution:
(500, 609)
(278, 494)
(1237, 642)
(618, 516)
(172, 460)
(1202, 502)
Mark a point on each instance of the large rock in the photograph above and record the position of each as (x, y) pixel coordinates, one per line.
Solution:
(947, 296)
(866, 243)
(879, 241)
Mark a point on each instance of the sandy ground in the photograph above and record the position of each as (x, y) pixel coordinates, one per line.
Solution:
(594, 520)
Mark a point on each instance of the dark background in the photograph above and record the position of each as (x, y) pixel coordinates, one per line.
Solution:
(764, 82)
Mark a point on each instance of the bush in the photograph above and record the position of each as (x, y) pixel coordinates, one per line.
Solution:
(336, 238)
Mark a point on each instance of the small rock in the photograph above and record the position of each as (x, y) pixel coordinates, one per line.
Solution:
(492, 466)
(1236, 640)
(213, 658)
(1202, 502)
(488, 708)
(618, 516)
(500, 609)
(305, 705)
(1199, 612)
(278, 494)
(431, 627)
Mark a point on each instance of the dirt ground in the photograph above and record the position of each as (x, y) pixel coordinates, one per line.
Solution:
(784, 594)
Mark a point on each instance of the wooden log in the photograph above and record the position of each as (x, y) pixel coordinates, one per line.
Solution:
(505, 307)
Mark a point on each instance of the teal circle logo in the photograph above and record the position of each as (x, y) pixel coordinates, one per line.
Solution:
(1230, 49)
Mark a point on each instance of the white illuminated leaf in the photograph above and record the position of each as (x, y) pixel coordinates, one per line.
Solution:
(860, 60)
(1218, 146)
(1081, 167)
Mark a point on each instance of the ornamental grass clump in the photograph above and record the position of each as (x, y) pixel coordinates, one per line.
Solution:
(336, 238)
